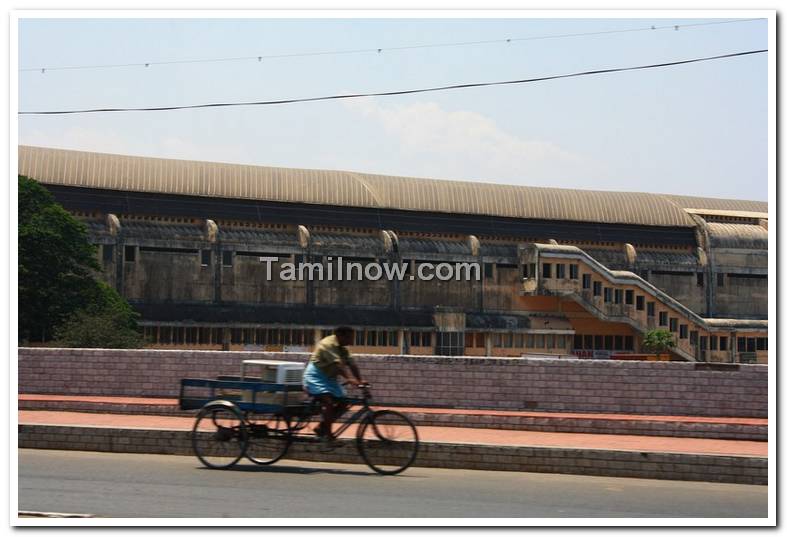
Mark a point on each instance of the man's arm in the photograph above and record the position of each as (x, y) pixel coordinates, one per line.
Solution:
(350, 372)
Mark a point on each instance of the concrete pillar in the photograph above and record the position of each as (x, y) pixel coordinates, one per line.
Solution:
(403, 347)
(487, 344)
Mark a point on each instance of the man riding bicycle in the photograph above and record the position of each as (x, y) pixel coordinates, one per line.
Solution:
(330, 360)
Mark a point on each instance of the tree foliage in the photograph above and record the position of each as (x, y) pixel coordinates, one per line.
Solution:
(57, 268)
(658, 340)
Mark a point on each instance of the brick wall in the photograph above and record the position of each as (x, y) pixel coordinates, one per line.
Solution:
(675, 388)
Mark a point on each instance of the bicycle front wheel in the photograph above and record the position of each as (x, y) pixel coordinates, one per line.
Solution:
(219, 436)
(387, 441)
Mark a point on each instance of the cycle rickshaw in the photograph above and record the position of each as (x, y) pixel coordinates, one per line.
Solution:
(260, 420)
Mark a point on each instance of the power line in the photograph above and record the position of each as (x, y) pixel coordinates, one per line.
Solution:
(400, 92)
(260, 58)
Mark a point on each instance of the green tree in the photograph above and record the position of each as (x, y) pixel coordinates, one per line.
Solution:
(109, 322)
(57, 267)
(658, 340)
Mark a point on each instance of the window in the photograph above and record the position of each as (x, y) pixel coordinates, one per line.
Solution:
(618, 343)
(519, 341)
(489, 270)
(426, 339)
(226, 258)
(531, 341)
(762, 343)
(714, 343)
(547, 270)
(393, 338)
(588, 342)
(608, 343)
(684, 332)
(383, 338)
(236, 335)
(629, 343)
(561, 270)
(450, 343)
(525, 272)
(596, 288)
(673, 324)
(598, 342)
(700, 279)
(560, 342)
(741, 344)
(539, 341)
(371, 338)
(586, 281)
(179, 335)
(693, 336)
(703, 343)
(607, 294)
(130, 254)
(720, 279)
(751, 344)
(630, 297)
(573, 271)
(508, 340)
(204, 336)
(360, 338)
(108, 253)
(722, 343)
(651, 309)
(165, 334)
(205, 258)
(662, 318)
(618, 296)
(577, 342)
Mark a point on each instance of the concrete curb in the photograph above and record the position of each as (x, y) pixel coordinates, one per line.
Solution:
(598, 462)
(544, 423)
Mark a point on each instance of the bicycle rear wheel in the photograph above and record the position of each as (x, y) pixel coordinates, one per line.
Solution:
(219, 436)
(269, 440)
(387, 441)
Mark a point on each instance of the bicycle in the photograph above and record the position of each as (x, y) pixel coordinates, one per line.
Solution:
(247, 424)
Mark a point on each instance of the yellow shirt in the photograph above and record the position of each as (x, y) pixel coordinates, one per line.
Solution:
(329, 354)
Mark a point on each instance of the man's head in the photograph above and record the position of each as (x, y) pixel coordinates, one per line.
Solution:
(345, 335)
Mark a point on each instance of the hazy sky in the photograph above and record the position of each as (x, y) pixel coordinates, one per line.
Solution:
(699, 129)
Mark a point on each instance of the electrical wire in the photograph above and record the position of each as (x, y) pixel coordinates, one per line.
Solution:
(260, 58)
(399, 92)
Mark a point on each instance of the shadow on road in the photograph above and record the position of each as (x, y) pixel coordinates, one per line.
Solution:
(290, 470)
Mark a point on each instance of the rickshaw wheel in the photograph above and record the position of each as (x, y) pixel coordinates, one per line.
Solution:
(268, 439)
(219, 436)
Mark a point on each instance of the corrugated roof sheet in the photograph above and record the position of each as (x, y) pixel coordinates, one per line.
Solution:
(350, 189)
(715, 204)
(729, 235)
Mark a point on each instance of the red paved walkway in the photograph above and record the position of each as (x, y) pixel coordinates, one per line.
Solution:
(465, 412)
(444, 434)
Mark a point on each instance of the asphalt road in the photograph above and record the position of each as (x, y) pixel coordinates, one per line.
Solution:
(127, 485)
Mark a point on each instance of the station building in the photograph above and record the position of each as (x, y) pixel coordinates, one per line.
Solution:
(562, 272)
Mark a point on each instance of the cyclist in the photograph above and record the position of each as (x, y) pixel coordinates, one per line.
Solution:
(330, 360)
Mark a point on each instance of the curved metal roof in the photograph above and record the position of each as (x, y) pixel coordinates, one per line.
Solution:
(350, 189)
(718, 205)
(728, 235)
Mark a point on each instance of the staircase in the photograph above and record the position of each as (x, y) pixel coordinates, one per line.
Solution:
(624, 297)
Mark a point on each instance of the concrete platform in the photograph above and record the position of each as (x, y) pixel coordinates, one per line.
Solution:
(727, 428)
